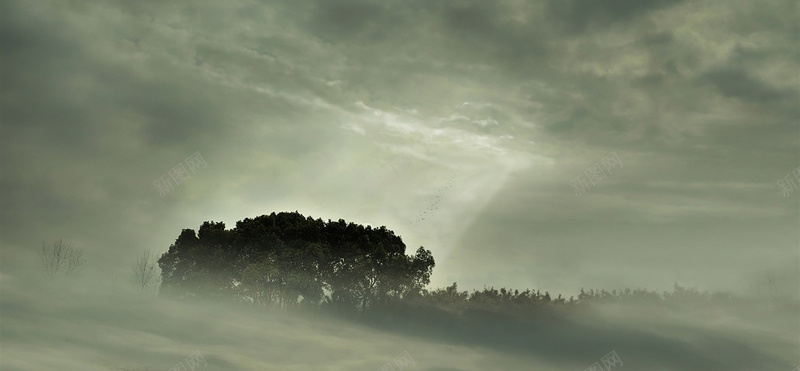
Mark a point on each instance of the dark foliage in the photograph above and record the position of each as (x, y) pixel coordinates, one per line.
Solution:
(290, 261)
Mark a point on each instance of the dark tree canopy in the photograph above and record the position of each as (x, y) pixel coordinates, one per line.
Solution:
(287, 259)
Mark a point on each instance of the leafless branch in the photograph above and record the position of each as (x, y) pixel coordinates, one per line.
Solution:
(61, 257)
(144, 271)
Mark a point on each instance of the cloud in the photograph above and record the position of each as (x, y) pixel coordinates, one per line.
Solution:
(579, 16)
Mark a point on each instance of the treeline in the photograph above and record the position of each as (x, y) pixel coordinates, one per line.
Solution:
(515, 302)
(288, 260)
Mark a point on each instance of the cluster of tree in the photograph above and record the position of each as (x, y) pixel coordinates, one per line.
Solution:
(679, 297)
(289, 260)
(514, 302)
(489, 299)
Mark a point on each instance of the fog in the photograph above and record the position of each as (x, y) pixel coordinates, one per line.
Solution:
(552, 145)
(97, 323)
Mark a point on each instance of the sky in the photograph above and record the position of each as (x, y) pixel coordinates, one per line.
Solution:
(551, 145)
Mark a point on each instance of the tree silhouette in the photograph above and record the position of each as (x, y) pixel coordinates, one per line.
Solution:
(287, 260)
(59, 257)
(144, 272)
(290, 260)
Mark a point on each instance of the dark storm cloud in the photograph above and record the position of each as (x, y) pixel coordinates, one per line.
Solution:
(34, 64)
(578, 16)
(658, 38)
(87, 129)
(348, 20)
(489, 29)
(64, 89)
(739, 84)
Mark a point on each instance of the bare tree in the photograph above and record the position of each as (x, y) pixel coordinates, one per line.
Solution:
(144, 272)
(60, 257)
(772, 284)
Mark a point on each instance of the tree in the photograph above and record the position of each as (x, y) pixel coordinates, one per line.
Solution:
(144, 272)
(59, 257)
(289, 260)
(772, 284)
